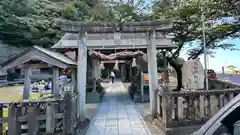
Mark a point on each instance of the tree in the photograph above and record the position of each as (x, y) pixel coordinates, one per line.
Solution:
(230, 7)
(81, 10)
(28, 22)
(231, 68)
(187, 27)
(31, 22)
(105, 11)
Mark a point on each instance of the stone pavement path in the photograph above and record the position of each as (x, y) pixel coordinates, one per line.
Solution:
(117, 114)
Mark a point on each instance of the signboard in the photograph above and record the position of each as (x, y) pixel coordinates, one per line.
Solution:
(146, 78)
(193, 74)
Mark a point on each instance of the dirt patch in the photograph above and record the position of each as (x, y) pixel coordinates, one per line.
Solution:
(10, 93)
(15, 93)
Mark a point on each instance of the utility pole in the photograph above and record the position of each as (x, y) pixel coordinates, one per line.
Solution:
(205, 49)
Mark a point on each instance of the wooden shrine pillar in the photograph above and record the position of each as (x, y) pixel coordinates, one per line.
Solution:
(27, 82)
(94, 74)
(152, 73)
(74, 79)
(122, 72)
(166, 76)
(76, 104)
(55, 83)
(82, 72)
(130, 71)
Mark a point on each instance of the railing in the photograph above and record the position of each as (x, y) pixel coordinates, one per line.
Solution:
(191, 107)
(47, 116)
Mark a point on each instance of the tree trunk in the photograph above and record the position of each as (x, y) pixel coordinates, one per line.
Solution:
(178, 70)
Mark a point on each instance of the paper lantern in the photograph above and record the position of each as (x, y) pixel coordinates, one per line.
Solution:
(116, 65)
(102, 65)
(134, 64)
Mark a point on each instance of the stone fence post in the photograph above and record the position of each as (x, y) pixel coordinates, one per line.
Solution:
(68, 111)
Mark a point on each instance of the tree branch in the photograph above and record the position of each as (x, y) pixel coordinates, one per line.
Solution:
(181, 44)
(194, 56)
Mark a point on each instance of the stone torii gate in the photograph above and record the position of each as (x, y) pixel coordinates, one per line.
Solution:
(150, 35)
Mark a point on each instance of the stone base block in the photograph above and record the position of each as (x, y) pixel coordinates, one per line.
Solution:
(181, 130)
(138, 99)
(186, 130)
(93, 97)
(83, 126)
(146, 97)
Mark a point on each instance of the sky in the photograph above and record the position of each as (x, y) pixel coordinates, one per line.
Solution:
(221, 57)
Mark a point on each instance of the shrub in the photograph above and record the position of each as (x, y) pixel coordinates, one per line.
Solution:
(99, 87)
(132, 89)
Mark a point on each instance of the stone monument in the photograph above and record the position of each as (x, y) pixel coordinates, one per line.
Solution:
(193, 75)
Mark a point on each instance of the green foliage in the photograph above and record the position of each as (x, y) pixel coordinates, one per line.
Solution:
(70, 12)
(107, 11)
(99, 88)
(28, 22)
(188, 25)
(231, 67)
(31, 22)
(132, 89)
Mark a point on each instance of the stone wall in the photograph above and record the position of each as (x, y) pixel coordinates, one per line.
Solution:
(7, 51)
(218, 84)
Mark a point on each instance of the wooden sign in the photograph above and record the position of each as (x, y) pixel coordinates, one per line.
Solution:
(146, 78)
(193, 74)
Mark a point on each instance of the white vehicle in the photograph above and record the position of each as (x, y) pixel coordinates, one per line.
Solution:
(225, 122)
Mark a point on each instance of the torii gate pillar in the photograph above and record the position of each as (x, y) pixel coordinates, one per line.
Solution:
(82, 73)
(152, 72)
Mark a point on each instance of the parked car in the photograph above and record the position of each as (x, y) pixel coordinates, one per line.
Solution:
(225, 122)
(211, 74)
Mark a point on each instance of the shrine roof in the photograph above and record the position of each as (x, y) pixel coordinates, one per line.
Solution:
(38, 53)
(56, 55)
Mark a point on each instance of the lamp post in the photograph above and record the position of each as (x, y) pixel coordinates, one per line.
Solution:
(205, 49)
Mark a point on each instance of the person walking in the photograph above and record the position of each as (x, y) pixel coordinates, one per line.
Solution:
(112, 76)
